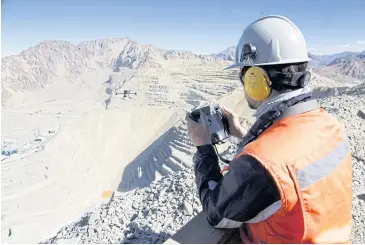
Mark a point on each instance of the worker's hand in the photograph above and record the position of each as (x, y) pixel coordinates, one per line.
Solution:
(235, 127)
(198, 133)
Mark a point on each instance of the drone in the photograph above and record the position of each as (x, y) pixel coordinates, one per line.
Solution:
(126, 93)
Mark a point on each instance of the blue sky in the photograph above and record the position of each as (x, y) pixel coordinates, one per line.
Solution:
(201, 26)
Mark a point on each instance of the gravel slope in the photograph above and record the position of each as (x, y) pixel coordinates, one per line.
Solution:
(148, 215)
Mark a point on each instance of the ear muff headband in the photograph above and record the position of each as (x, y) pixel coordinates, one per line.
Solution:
(294, 79)
(257, 83)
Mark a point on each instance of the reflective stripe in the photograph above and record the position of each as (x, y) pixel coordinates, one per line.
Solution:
(228, 224)
(323, 167)
(266, 213)
(263, 215)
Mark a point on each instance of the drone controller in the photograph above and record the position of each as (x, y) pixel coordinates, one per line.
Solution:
(212, 115)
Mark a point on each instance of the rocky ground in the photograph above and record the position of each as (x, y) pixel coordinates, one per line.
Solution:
(148, 215)
(152, 214)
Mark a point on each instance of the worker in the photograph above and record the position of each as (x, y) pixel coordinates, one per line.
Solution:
(292, 181)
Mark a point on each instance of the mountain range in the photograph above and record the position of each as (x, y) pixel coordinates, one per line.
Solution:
(54, 70)
(61, 63)
(345, 66)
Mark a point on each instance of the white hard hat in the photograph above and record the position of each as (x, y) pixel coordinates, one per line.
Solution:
(270, 40)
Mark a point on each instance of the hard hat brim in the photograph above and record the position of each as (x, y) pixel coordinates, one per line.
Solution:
(242, 64)
(232, 67)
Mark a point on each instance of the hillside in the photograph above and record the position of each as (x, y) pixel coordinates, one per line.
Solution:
(345, 67)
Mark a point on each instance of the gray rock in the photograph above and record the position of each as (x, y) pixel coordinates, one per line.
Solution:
(135, 205)
(188, 208)
(361, 113)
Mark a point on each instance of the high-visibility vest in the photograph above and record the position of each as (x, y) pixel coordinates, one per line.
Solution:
(308, 156)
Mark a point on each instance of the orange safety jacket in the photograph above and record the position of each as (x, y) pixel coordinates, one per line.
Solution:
(309, 158)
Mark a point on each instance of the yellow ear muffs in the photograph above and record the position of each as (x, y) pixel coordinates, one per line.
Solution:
(257, 83)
